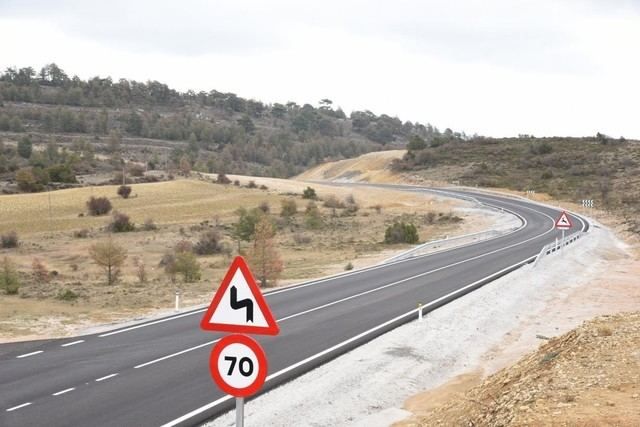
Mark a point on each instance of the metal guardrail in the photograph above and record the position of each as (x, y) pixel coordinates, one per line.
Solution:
(556, 246)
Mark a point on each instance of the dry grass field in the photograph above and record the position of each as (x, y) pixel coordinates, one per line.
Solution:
(183, 210)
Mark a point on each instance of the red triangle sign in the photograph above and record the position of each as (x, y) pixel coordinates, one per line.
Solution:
(563, 222)
(238, 305)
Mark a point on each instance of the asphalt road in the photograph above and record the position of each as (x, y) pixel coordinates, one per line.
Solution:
(156, 373)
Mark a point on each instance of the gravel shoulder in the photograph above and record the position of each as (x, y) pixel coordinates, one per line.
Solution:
(474, 336)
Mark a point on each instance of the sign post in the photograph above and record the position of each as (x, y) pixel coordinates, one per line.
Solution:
(563, 223)
(238, 364)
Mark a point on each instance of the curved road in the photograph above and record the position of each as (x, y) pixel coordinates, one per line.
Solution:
(156, 373)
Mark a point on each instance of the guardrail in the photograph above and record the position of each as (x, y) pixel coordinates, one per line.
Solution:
(557, 246)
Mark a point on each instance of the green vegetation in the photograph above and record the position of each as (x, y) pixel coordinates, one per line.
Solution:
(599, 168)
(401, 232)
(9, 280)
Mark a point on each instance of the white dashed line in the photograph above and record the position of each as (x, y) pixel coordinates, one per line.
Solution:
(29, 354)
(175, 354)
(72, 343)
(63, 391)
(19, 406)
(106, 378)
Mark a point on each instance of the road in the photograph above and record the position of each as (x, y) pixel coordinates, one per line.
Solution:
(156, 373)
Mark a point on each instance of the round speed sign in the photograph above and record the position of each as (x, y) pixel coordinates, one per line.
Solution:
(238, 365)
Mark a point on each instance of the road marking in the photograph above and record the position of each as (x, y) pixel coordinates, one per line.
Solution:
(29, 354)
(72, 343)
(175, 354)
(106, 378)
(63, 391)
(342, 344)
(19, 406)
(108, 334)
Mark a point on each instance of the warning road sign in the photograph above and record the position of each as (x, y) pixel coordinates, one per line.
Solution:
(563, 222)
(238, 305)
(238, 365)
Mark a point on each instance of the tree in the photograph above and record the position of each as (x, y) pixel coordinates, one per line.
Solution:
(9, 280)
(416, 143)
(25, 147)
(263, 257)
(309, 193)
(188, 266)
(244, 229)
(185, 165)
(288, 208)
(401, 232)
(26, 180)
(110, 256)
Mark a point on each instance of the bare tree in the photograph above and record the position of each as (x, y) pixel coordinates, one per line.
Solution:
(110, 256)
(263, 257)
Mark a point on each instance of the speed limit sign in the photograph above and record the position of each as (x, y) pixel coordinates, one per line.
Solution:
(238, 365)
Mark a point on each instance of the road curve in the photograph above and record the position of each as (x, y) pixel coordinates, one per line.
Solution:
(156, 373)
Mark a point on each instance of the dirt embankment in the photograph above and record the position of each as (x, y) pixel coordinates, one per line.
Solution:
(589, 376)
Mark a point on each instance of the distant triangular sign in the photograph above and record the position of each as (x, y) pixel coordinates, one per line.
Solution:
(563, 222)
(238, 305)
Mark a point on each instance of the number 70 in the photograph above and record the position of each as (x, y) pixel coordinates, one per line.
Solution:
(245, 366)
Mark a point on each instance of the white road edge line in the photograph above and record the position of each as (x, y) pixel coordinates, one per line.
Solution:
(106, 377)
(19, 406)
(29, 354)
(342, 344)
(67, 390)
(72, 343)
(388, 285)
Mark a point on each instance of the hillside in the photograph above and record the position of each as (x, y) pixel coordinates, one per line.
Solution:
(98, 120)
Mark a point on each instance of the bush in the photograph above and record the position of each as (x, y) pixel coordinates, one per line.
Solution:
(67, 295)
(120, 223)
(264, 207)
(183, 246)
(98, 206)
(309, 193)
(288, 208)
(301, 239)
(149, 225)
(348, 267)
(236, 183)
(187, 265)
(223, 179)
(9, 280)
(209, 243)
(124, 191)
(312, 216)
(40, 272)
(264, 187)
(136, 170)
(9, 240)
(333, 202)
(252, 184)
(81, 234)
(401, 232)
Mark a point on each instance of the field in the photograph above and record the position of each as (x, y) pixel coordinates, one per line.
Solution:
(60, 238)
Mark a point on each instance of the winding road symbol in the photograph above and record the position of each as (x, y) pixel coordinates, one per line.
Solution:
(243, 303)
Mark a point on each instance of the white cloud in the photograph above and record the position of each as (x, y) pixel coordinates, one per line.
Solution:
(492, 67)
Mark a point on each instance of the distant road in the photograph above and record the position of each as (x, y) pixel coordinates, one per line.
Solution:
(156, 373)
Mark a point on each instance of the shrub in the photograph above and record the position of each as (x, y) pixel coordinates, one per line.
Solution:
(309, 193)
(183, 246)
(264, 187)
(223, 179)
(40, 271)
(120, 223)
(288, 208)
(252, 184)
(301, 239)
(209, 243)
(401, 232)
(264, 207)
(9, 280)
(67, 295)
(136, 170)
(333, 202)
(98, 206)
(236, 183)
(9, 240)
(149, 225)
(187, 265)
(81, 234)
(124, 191)
(312, 216)
(430, 217)
(348, 267)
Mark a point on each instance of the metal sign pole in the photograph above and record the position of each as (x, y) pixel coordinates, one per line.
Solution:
(239, 411)
(562, 244)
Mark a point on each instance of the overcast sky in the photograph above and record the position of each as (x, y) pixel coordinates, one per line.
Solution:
(543, 67)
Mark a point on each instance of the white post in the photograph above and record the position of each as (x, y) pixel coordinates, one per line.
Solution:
(177, 299)
(562, 243)
(419, 312)
(239, 412)
(556, 247)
